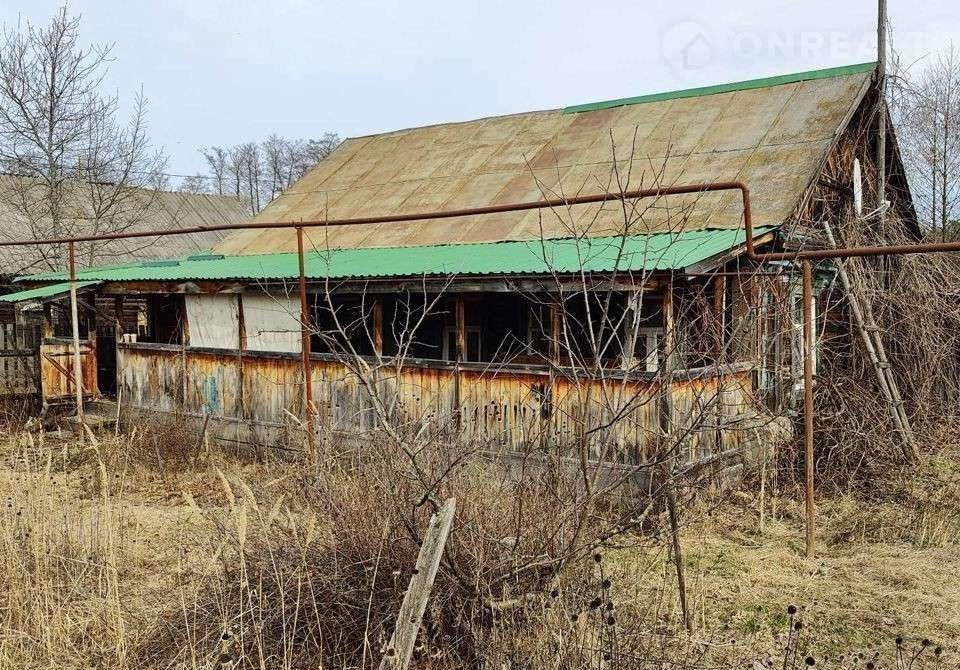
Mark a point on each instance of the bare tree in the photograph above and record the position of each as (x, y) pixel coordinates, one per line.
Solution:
(195, 184)
(928, 112)
(80, 167)
(258, 172)
(217, 161)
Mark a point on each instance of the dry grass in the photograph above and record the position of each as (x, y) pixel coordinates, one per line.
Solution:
(110, 561)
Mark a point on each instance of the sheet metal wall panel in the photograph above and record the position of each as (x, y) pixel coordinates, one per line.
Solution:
(271, 323)
(213, 320)
(497, 409)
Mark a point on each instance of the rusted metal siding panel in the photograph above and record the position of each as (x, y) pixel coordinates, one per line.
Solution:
(151, 379)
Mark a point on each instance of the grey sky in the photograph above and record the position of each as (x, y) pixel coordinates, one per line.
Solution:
(221, 72)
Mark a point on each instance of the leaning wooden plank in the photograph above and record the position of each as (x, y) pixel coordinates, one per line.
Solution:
(418, 592)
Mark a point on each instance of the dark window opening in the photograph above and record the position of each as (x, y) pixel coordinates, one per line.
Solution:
(593, 327)
(342, 324)
(472, 345)
(702, 327)
(159, 319)
(63, 324)
(413, 325)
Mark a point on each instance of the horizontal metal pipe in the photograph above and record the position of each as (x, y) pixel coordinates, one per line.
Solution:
(418, 216)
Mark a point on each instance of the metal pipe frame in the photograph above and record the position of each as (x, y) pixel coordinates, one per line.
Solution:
(803, 256)
(635, 194)
(305, 326)
(305, 333)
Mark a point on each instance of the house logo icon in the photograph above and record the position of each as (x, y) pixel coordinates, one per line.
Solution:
(687, 47)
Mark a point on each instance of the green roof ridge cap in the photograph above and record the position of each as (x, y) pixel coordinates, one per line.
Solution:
(763, 82)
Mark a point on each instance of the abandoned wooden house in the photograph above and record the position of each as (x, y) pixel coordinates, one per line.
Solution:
(508, 328)
(102, 207)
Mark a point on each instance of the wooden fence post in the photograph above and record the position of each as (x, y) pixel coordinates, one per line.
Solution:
(414, 604)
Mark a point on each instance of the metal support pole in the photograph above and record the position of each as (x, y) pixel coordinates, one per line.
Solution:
(305, 355)
(665, 411)
(881, 106)
(808, 401)
(74, 319)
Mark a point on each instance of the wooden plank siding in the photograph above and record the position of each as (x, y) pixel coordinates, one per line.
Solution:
(259, 398)
(19, 374)
(56, 369)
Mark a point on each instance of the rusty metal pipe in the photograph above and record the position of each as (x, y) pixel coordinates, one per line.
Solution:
(808, 404)
(305, 354)
(705, 187)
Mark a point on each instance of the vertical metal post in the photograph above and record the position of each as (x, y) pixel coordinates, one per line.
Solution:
(305, 354)
(669, 364)
(77, 362)
(808, 402)
(881, 104)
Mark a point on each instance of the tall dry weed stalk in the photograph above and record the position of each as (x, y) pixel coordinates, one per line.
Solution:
(60, 599)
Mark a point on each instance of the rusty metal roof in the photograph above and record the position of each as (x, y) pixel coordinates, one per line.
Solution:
(134, 209)
(772, 134)
(637, 253)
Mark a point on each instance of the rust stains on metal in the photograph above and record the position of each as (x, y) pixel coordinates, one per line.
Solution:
(497, 409)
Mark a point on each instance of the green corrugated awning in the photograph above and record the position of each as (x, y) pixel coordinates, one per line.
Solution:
(49, 291)
(658, 251)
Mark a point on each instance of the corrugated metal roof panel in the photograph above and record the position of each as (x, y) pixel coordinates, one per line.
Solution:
(49, 291)
(780, 126)
(23, 215)
(660, 251)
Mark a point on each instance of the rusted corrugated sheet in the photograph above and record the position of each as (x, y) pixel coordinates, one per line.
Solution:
(773, 138)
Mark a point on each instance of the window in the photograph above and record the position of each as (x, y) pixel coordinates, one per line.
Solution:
(592, 326)
(646, 349)
(472, 353)
(342, 324)
(648, 329)
(158, 319)
(538, 330)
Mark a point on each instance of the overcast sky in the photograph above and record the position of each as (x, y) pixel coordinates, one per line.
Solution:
(222, 72)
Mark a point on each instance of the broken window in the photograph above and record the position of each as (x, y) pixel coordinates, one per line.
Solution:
(472, 345)
(160, 319)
